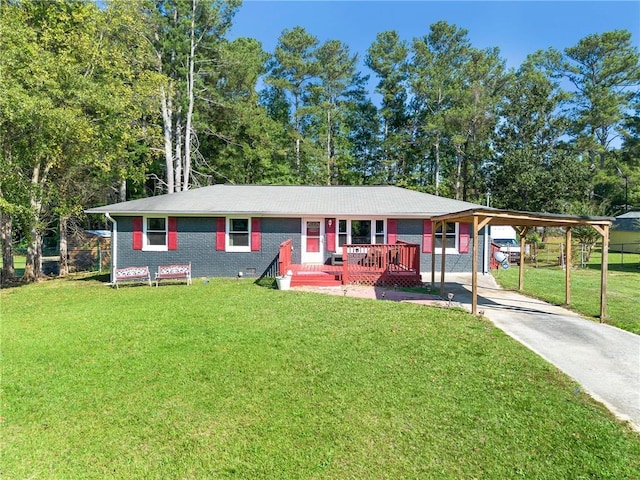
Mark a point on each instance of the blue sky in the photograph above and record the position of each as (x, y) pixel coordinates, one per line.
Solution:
(517, 28)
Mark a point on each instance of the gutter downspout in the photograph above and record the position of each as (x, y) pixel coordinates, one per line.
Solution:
(114, 245)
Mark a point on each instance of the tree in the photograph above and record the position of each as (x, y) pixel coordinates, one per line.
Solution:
(242, 143)
(533, 162)
(387, 57)
(337, 76)
(605, 72)
(292, 70)
(628, 166)
(437, 82)
(187, 36)
(65, 108)
(473, 119)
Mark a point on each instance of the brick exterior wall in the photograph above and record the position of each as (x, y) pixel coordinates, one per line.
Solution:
(410, 230)
(197, 244)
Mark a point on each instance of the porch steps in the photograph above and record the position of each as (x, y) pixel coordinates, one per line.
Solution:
(316, 279)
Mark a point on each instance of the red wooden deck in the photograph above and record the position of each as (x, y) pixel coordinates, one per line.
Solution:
(391, 265)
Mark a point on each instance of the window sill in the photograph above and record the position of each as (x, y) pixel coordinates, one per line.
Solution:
(238, 249)
(155, 248)
(448, 251)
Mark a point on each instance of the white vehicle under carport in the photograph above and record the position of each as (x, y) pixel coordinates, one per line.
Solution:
(507, 239)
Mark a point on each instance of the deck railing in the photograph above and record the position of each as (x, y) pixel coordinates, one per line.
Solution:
(377, 264)
(284, 257)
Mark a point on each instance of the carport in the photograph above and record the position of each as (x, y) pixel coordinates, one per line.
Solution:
(522, 222)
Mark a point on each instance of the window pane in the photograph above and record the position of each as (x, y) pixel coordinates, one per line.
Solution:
(342, 239)
(342, 226)
(379, 239)
(380, 226)
(239, 225)
(154, 238)
(156, 224)
(451, 229)
(451, 242)
(238, 239)
(313, 229)
(360, 231)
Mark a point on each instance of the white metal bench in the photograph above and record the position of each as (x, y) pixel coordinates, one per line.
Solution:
(174, 272)
(131, 274)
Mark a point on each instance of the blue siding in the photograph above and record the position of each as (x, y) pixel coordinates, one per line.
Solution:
(197, 244)
(410, 230)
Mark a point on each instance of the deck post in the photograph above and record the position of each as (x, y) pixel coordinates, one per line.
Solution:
(345, 266)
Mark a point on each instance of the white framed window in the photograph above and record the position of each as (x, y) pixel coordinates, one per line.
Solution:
(361, 231)
(238, 234)
(343, 236)
(154, 230)
(450, 239)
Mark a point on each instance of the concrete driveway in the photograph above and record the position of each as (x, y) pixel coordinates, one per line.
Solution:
(603, 359)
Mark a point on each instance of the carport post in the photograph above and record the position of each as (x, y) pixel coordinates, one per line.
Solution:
(567, 273)
(474, 269)
(522, 231)
(603, 272)
(443, 245)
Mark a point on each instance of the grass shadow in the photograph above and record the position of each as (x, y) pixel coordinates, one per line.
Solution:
(617, 267)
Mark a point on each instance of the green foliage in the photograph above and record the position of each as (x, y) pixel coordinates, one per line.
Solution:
(144, 94)
(228, 379)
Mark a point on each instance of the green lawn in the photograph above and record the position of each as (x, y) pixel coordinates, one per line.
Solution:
(231, 380)
(623, 301)
(18, 264)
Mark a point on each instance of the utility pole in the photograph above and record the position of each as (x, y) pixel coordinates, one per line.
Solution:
(626, 188)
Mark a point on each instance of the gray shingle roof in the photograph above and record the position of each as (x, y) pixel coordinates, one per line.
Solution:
(288, 200)
(629, 222)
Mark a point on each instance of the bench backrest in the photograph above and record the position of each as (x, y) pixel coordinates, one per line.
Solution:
(131, 272)
(174, 269)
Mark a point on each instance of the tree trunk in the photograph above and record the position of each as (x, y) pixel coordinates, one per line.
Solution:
(458, 172)
(167, 115)
(329, 147)
(33, 264)
(122, 193)
(64, 251)
(298, 133)
(178, 155)
(436, 164)
(190, 82)
(6, 235)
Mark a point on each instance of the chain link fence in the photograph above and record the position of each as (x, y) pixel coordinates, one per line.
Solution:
(550, 254)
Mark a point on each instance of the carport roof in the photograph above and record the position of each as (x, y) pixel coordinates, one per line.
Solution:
(497, 216)
(483, 216)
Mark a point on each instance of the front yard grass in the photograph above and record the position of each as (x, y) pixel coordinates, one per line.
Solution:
(226, 379)
(623, 301)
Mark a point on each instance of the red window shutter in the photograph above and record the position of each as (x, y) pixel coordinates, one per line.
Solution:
(220, 233)
(427, 236)
(137, 233)
(255, 235)
(172, 234)
(330, 228)
(463, 241)
(392, 231)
